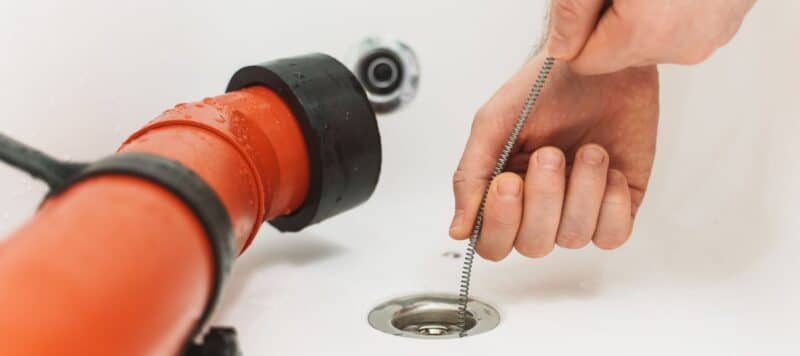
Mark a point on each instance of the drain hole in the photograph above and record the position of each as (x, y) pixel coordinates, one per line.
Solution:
(432, 316)
(431, 322)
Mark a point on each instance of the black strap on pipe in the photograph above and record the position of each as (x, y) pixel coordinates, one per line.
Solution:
(36, 163)
(173, 176)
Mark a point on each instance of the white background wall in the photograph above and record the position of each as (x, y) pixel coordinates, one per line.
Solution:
(712, 267)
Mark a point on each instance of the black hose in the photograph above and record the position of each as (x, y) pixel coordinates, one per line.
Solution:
(36, 163)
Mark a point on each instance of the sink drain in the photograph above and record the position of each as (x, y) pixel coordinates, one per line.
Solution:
(430, 316)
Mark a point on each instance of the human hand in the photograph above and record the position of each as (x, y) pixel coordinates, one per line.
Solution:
(632, 33)
(606, 126)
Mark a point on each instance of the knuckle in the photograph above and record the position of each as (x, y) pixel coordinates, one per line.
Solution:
(483, 119)
(547, 163)
(615, 200)
(533, 250)
(705, 54)
(459, 176)
(617, 193)
(551, 150)
(498, 218)
(571, 240)
(645, 41)
(489, 255)
(565, 24)
(728, 32)
(490, 117)
(558, 34)
(551, 194)
(483, 114)
(726, 27)
(546, 151)
(547, 187)
(494, 258)
(567, 11)
(610, 241)
(699, 54)
(631, 31)
(593, 146)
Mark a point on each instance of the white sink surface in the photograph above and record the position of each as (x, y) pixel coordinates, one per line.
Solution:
(712, 266)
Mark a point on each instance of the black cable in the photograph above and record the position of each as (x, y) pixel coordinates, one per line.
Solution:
(36, 163)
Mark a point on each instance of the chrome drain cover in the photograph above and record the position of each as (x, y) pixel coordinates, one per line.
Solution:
(431, 316)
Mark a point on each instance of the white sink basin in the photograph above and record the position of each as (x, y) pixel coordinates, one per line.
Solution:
(712, 266)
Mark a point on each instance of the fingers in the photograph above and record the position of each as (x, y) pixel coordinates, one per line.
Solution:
(468, 189)
(501, 217)
(571, 23)
(489, 133)
(616, 218)
(584, 197)
(544, 198)
(609, 48)
(554, 206)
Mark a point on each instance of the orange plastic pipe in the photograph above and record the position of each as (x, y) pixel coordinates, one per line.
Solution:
(117, 265)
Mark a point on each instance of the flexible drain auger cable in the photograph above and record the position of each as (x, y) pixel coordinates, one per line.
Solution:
(469, 256)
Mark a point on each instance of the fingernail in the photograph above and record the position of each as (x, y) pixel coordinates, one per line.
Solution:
(615, 177)
(548, 159)
(509, 188)
(458, 217)
(592, 155)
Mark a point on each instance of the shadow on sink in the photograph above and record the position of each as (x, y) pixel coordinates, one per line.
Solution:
(296, 250)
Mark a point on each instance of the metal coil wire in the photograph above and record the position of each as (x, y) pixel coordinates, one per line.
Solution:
(469, 255)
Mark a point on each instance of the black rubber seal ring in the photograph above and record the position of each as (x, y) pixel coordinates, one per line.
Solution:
(338, 124)
(194, 192)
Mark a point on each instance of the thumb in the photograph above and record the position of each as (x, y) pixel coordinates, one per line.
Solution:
(610, 48)
(490, 131)
(571, 23)
(475, 169)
